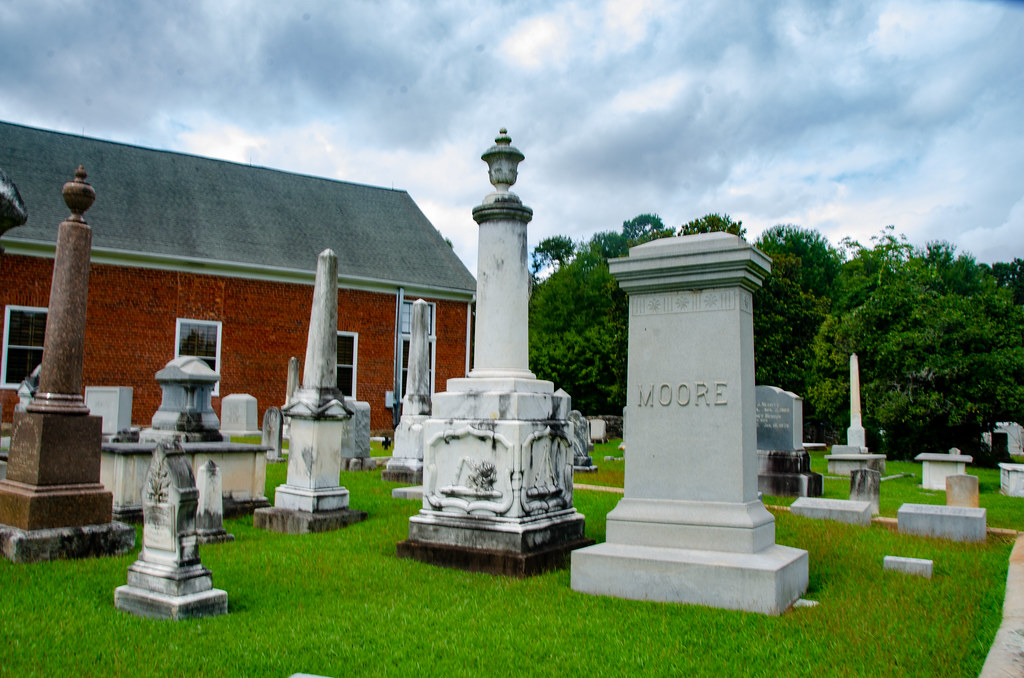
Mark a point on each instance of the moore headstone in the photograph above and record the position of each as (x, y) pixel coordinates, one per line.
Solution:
(690, 527)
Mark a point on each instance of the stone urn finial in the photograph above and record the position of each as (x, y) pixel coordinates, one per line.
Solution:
(502, 162)
(78, 195)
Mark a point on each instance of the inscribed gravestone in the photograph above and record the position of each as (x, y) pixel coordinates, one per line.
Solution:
(272, 434)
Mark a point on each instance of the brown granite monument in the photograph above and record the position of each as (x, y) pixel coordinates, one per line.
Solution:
(52, 504)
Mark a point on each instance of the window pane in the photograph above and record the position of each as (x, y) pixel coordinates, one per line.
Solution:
(21, 362)
(345, 380)
(198, 340)
(27, 328)
(346, 349)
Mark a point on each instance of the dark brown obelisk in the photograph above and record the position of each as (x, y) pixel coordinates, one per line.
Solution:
(52, 504)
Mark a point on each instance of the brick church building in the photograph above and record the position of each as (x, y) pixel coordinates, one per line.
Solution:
(192, 256)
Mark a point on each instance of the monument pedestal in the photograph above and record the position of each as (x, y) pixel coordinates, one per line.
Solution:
(497, 480)
(787, 473)
(847, 458)
(311, 500)
(51, 503)
(690, 527)
(408, 440)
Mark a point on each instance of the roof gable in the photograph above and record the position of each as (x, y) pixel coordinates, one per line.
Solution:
(178, 205)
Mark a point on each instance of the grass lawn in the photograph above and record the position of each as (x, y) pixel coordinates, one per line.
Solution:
(341, 604)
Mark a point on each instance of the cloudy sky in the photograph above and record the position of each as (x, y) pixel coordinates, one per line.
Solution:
(840, 116)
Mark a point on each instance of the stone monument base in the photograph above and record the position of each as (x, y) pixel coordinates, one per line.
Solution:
(145, 603)
(214, 537)
(508, 563)
(56, 543)
(787, 473)
(840, 464)
(589, 468)
(291, 521)
(768, 581)
(40, 507)
(494, 546)
(402, 475)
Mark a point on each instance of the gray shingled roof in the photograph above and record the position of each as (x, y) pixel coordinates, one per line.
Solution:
(173, 204)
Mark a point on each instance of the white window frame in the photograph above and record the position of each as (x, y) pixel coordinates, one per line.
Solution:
(220, 338)
(355, 359)
(7, 327)
(405, 321)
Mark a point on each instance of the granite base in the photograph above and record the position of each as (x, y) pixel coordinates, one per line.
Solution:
(843, 464)
(290, 521)
(402, 475)
(507, 563)
(145, 603)
(87, 541)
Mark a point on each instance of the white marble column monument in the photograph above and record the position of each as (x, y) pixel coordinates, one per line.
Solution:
(690, 527)
(406, 463)
(497, 459)
(854, 454)
(312, 499)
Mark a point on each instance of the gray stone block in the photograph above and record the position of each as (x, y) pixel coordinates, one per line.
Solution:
(916, 566)
(415, 492)
(958, 523)
(865, 485)
(840, 510)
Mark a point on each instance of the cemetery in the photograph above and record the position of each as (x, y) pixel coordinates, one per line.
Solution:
(714, 542)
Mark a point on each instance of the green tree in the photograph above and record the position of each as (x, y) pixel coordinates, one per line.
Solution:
(1011, 276)
(712, 223)
(940, 346)
(792, 304)
(552, 253)
(644, 228)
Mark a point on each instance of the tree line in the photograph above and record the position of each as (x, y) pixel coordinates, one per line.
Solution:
(939, 337)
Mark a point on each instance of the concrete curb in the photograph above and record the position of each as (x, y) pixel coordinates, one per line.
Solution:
(1006, 657)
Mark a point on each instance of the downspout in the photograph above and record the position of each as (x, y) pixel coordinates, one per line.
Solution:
(396, 400)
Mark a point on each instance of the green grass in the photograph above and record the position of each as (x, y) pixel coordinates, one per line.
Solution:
(342, 604)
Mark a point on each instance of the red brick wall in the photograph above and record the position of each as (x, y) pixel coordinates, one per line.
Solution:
(131, 318)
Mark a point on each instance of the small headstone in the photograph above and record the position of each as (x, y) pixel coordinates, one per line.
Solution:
(238, 413)
(113, 404)
(839, 510)
(168, 581)
(272, 435)
(210, 514)
(958, 523)
(865, 485)
(783, 465)
(355, 444)
(598, 431)
(581, 460)
(915, 566)
(962, 490)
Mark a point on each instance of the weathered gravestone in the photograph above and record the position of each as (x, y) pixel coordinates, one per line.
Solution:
(114, 405)
(690, 527)
(272, 435)
(210, 513)
(866, 485)
(497, 460)
(238, 415)
(355, 440)
(406, 463)
(312, 499)
(783, 465)
(185, 412)
(581, 460)
(962, 490)
(52, 504)
(168, 581)
(598, 431)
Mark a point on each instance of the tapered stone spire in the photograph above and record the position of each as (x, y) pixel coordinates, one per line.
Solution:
(855, 434)
(60, 379)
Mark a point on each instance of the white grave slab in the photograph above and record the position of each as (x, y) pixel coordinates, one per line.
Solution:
(935, 468)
